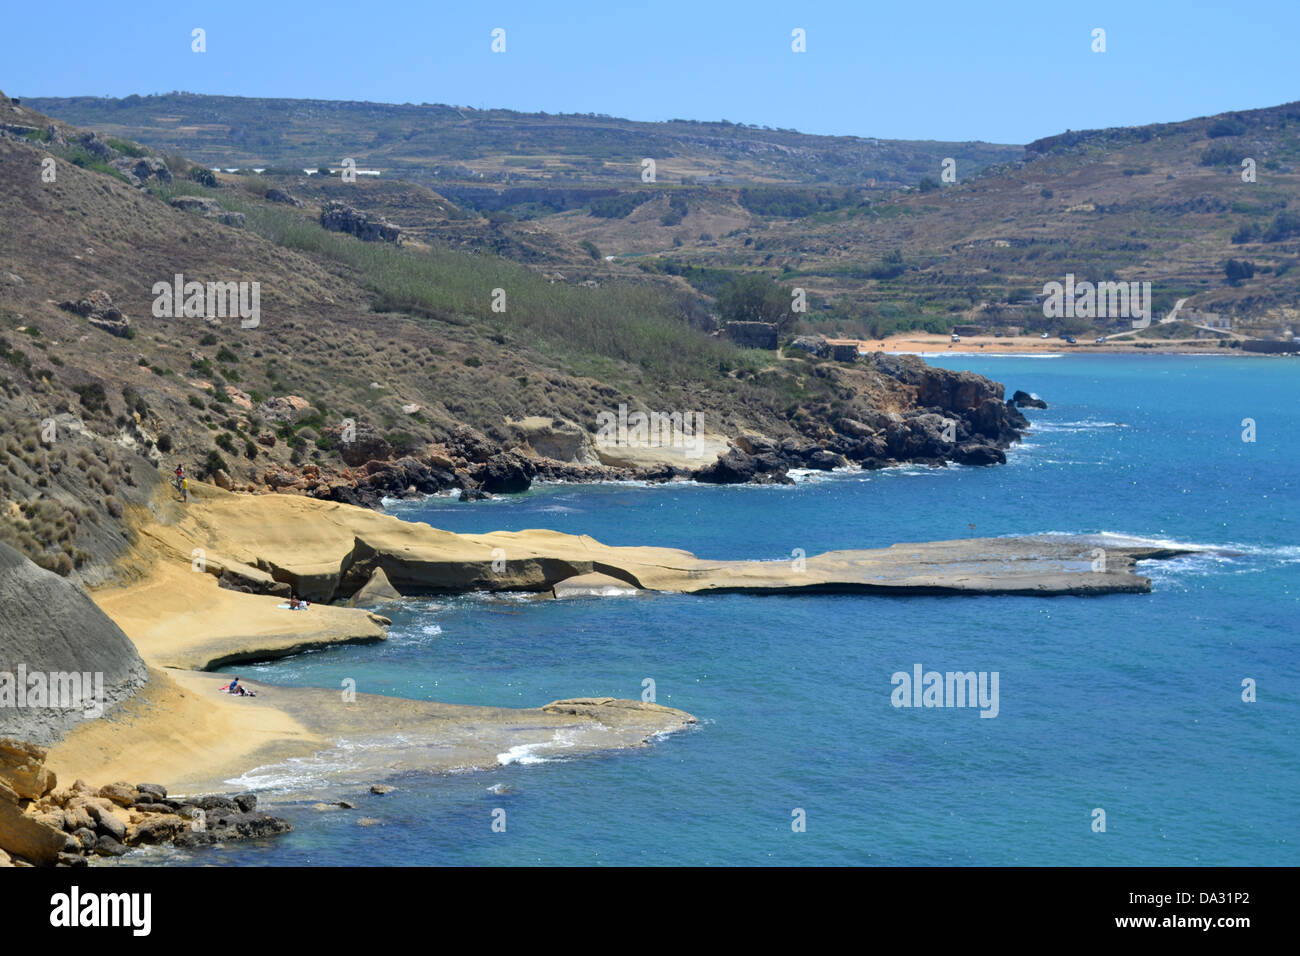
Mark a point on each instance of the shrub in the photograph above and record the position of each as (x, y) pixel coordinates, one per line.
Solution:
(1221, 155)
(127, 149)
(196, 402)
(1284, 226)
(202, 176)
(1248, 232)
(164, 443)
(92, 397)
(619, 207)
(473, 361)
(213, 463)
(1230, 126)
(1238, 269)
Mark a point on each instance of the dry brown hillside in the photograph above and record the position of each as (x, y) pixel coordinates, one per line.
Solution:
(99, 396)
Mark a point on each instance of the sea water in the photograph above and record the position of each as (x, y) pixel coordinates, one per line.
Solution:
(1131, 705)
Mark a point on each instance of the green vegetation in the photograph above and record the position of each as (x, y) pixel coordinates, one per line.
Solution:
(128, 149)
(619, 207)
(753, 298)
(793, 202)
(636, 324)
(1238, 269)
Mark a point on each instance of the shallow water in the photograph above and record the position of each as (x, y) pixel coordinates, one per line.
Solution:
(1128, 703)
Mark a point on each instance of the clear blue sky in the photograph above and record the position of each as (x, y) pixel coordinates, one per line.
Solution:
(1003, 70)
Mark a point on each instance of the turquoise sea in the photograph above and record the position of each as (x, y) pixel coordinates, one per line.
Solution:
(1128, 703)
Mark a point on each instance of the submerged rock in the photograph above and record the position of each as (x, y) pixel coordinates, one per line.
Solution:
(1025, 400)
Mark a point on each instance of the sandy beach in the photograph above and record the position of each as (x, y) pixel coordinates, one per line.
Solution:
(923, 343)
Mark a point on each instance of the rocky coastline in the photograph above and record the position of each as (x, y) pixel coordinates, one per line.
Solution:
(957, 417)
(42, 824)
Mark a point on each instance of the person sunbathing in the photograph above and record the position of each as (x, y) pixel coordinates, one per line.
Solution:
(234, 687)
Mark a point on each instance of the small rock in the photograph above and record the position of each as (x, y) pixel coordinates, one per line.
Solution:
(108, 846)
(369, 822)
(381, 789)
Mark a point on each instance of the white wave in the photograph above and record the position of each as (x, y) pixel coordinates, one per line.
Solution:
(1231, 549)
(1043, 355)
(526, 754)
(1042, 426)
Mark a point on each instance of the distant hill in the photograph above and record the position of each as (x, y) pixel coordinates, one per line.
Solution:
(869, 228)
(431, 143)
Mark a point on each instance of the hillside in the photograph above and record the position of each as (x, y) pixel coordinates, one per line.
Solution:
(431, 142)
(840, 217)
(371, 368)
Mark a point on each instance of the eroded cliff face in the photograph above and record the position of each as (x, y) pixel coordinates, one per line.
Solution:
(62, 660)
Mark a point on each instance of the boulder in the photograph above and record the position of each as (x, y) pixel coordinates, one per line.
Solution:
(737, 467)
(506, 473)
(280, 196)
(208, 209)
(98, 309)
(92, 144)
(119, 793)
(109, 846)
(471, 445)
(152, 789)
(556, 439)
(1025, 400)
(24, 836)
(979, 453)
(339, 217)
(106, 821)
(288, 409)
(753, 443)
(364, 443)
(812, 344)
(156, 829)
(224, 826)
(22, 768)
(376, 590)
(144, 169)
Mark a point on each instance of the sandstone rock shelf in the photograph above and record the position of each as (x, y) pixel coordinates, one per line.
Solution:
(329, 552)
